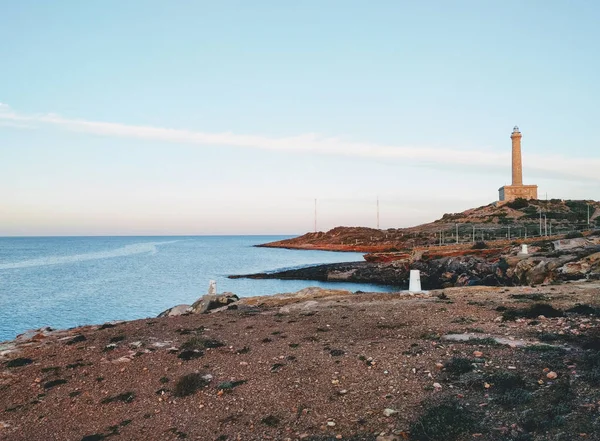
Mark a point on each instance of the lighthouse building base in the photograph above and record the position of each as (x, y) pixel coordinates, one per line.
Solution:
(511, 192)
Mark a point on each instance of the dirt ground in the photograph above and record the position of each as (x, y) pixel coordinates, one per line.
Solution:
(325, 365)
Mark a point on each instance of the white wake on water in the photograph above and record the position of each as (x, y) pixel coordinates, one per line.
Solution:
(127, 250)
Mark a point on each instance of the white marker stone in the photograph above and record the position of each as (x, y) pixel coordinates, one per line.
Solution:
(414, 284)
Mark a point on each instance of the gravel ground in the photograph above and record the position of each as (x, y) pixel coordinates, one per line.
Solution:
(318, 366)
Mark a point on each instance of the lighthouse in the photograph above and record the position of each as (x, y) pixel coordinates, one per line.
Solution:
(517, 189)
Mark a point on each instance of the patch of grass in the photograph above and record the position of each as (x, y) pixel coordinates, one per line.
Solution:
(549, 336)
(107, 326)
(54, 383)
(458, 365)
(271, 421)
(276, 367)
(444, 422)
(536, 297)
(163, 380)
(584, 309)
(230, 385)
(513, 397)
(117, 339)
(543, 348)
(53, 369)
(93, 437)
(189, 384)
(503, 381)
(531, 312)
(475, 330)
(197, 343)
(464, 320)
(487, 341)
(125, 397)
(190, 355)
(573, 235)
(336, 352)
(77, 364)
(18, 362)
(77, 339)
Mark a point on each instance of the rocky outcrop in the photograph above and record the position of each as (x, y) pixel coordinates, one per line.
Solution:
(572, 259)
(213, 301)
(204, 304)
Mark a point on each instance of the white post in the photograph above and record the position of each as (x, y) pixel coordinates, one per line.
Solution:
(414, 284)
(524, 249)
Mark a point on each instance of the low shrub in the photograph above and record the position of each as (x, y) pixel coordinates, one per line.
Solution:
(444, 422)
(458, 365)
(189, 384)
(533, 311)
(573, 235)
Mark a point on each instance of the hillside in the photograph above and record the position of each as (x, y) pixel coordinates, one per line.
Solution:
(517, 219)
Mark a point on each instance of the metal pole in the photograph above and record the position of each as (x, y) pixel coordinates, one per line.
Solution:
(540, 223)
(456, 233)
(545, 226)
(509, 232)
(378, 212)
(588, 205)
(473, 233)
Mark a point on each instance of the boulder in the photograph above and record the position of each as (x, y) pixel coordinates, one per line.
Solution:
(175, 311)
(588, 267)
(212, 301)
(569, 244)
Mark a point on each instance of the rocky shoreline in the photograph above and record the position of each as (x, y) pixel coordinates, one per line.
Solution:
(491, 363)
(547, 261)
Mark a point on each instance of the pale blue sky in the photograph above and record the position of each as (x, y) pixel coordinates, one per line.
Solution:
(191, 117)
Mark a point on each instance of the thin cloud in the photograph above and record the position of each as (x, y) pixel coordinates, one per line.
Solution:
(313, 143)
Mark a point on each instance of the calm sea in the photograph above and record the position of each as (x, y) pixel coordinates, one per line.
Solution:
(69, 281)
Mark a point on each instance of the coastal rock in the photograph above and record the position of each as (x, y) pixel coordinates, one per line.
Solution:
(588, 267)
(212, 301)
(569, 244)
(175, 311)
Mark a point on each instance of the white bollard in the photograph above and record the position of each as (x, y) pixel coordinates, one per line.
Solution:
(414, 284)
(212, 288)
(524, 249)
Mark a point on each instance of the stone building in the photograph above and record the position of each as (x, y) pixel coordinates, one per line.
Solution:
(517, 189)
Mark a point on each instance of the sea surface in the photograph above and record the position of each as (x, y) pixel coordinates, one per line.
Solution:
(70, 281)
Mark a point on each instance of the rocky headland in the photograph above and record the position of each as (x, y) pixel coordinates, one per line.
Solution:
(475, 247)
(547, 261)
